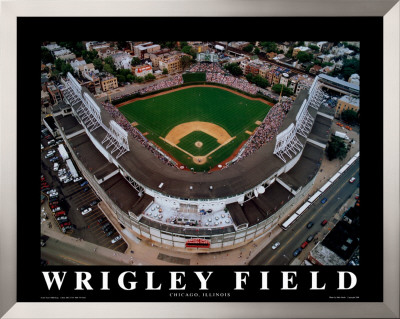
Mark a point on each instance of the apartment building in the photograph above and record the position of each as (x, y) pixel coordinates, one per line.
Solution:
(347, 103)
(108, 82)
(148, 47)
(173, 63)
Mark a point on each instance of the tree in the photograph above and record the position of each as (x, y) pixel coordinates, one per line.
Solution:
(98, 64)
(59, 63)
(350, 66)
(257, 80)
(185, 60)
(233, 69)
(304, 57)
(46, 56)
(165, 71)
(66, 67)
(289, 53)
(248, 48)
(336, 148)
(135, 61)
(314, 47)
(108, 68)
(109, 60)
(300, 43)
(149, 77)
(256, 50)
(139, 79)
(183, 44)
(121, 78)
(277, 88)
(349, 116)
(324, 64)
(270, 47)
(130, 78)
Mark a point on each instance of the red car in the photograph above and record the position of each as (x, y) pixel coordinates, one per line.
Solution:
(53, 206)
(62, 213)
(303, 245)
(324, 222)
(65, 224)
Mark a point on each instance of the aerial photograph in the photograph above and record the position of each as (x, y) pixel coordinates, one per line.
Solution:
(185, 153)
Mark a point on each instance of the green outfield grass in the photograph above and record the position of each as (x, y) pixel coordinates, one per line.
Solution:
(158, 115)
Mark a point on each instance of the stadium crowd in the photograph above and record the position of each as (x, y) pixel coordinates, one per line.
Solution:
(206, 67)
(174, 81)
(232, 81)
(135, 133)
(267, 130)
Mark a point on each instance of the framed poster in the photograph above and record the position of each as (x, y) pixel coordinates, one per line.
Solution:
(224, 268)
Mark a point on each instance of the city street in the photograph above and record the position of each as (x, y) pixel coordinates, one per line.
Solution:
(58, 252)
(292, 238)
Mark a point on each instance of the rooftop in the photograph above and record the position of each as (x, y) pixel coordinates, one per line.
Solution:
(350, 100)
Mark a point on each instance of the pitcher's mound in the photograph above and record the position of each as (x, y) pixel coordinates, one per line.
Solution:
(198, 144)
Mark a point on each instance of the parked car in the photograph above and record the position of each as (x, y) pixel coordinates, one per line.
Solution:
(92, 203)
(304, 245)
(84, 207)
(86, 189)
(310, 224)
(297, 251)
(84, 183)
(112, 231)
(351, 181)
(62, 213)
(105, 225)
(77, 179)
(323, 201)
(86, 211)
(65, 224)
(276, 245)
(116, 239)
(62, 219)
(100, 220)
(57, 209)
(324, 222)
(310, 238)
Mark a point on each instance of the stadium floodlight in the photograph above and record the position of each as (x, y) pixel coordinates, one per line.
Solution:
(118, 138)
(74, 84)
(287, 142)
(304, 120)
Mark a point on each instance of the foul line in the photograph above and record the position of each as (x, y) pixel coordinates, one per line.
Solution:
(192, 156)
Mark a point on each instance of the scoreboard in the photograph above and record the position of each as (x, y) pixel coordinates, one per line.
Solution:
(207, 57)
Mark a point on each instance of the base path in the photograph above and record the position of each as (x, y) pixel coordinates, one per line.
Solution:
(220, 134)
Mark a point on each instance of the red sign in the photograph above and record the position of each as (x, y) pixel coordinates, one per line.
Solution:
(197, 243)
(145, 68)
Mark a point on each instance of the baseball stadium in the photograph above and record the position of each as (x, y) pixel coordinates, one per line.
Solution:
(199, 162)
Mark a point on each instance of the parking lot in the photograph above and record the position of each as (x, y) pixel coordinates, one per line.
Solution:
(68, 197)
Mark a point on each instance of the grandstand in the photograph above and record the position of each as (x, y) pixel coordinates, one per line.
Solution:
(228, 208)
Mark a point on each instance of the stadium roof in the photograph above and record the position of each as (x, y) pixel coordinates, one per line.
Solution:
(340, 82)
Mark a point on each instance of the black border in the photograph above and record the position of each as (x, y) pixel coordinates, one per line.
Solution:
(369, 30)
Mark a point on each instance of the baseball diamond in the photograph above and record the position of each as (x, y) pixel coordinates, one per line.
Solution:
(215, 117)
